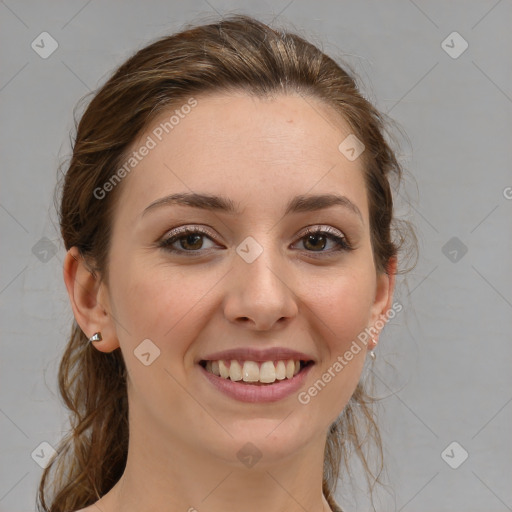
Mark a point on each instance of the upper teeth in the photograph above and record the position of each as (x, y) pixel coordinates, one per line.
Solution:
(251, 371)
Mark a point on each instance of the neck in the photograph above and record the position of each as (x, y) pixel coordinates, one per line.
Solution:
(175, 477)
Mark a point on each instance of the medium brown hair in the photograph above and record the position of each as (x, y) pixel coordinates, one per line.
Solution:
(237, 53)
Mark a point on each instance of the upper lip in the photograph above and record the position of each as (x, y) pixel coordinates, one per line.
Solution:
(257, 355)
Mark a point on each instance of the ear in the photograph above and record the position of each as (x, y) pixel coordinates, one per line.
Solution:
(89, 300)
(383, 301)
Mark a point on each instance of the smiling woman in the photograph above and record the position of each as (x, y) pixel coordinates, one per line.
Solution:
(244, 262)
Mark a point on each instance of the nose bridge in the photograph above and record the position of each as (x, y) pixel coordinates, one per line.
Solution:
(261, 275)
(260, 290)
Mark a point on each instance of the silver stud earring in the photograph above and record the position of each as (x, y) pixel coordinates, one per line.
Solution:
(373, 355)
(95, 337)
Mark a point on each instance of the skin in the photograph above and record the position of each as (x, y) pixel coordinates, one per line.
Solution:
(184, 434)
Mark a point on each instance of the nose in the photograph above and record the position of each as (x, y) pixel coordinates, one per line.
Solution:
(260, 295)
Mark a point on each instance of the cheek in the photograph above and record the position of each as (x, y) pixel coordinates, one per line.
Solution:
(344, 306)
(343, 317)
(342, 310)
(158, 303)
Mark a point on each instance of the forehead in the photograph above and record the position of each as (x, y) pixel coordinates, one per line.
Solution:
(257, 151)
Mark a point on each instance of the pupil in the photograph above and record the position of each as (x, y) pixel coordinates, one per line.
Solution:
(195, 237)
(314, 238)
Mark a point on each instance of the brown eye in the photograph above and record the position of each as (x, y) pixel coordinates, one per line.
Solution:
(318, 240)
(315, 242)
(190, 240)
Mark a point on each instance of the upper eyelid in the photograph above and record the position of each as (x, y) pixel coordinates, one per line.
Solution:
(193, 228)
(322, 228)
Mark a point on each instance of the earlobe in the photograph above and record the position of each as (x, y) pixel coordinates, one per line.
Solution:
(85, 291)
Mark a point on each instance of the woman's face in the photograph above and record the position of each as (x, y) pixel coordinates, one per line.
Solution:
(252, 280)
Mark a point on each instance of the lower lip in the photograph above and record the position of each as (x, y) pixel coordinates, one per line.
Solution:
(254, 393)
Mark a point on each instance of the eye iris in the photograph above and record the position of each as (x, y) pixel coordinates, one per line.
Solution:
(188, 238)
(314, 238)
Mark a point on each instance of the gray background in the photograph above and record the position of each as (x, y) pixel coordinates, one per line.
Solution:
(444, 363)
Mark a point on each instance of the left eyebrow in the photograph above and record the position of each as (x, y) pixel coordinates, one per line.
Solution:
(319, 202)
(298, 204)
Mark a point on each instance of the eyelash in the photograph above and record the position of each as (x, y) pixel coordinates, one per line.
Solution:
(179, 233)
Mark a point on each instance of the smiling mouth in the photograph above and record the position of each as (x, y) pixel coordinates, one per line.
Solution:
(263, 373)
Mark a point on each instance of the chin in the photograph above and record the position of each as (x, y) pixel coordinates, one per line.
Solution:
(271, 438)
